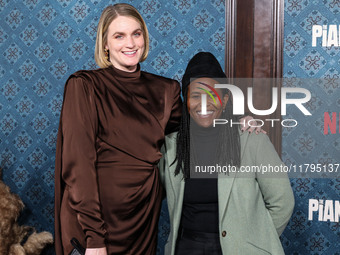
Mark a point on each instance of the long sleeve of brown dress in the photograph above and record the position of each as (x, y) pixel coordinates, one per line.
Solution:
(107, 188)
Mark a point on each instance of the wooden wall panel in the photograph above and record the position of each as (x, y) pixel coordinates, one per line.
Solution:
(254, 43)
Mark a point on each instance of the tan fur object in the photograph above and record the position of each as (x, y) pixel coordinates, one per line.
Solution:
(11, 234)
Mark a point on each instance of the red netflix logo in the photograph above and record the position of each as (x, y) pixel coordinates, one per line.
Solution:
(330, 123)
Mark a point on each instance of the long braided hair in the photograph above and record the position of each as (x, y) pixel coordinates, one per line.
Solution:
(229, 142)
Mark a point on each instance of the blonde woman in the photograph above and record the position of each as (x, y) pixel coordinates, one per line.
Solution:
(113, 121)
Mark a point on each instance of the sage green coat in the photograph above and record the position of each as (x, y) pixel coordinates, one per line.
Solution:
(253, 210)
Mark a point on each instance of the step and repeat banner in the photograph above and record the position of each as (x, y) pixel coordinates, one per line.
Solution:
(43, 42)
(311, 60)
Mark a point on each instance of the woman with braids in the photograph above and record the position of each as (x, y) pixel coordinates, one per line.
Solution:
(227, 212)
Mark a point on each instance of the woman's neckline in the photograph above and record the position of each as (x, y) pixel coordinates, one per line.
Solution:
(125, 74)
(202, 132)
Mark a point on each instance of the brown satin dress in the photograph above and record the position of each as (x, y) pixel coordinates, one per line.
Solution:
(107, 187)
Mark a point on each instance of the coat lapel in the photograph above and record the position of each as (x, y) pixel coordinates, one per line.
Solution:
(177, 182)
(225, 183)
(175, 188)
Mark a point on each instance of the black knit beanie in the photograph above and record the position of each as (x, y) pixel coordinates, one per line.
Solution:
(203, 64)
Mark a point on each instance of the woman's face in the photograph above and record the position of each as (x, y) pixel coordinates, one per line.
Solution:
(125, 42)
(194, 102)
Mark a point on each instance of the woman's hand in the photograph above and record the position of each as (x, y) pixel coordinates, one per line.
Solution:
(250, 129)
(96, 251)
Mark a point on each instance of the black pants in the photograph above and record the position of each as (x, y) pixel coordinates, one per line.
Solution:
(198, 243)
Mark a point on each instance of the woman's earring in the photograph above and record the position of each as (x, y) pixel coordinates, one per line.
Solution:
(106, 52)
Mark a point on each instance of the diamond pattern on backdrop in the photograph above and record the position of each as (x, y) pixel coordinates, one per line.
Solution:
(307, 143)
(42, 43)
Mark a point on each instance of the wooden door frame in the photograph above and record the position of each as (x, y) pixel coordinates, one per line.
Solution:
(246, 56)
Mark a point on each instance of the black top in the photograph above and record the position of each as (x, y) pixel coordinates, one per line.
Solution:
(200, 203)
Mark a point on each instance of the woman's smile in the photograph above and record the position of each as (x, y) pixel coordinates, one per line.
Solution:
(214, 109)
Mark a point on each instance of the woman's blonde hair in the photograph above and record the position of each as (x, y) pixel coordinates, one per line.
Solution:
(108, 15)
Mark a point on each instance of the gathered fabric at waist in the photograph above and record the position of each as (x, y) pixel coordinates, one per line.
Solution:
(131, 199)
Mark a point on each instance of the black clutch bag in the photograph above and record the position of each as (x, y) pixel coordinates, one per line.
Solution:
(78, 249)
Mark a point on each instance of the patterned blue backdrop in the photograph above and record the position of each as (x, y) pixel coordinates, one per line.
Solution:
(43, 42)
(307, 143)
